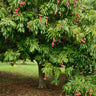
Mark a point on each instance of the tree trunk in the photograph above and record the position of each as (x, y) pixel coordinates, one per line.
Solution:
(42, 83)
(24, 62)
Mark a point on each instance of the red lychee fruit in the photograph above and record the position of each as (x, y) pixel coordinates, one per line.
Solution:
(73, 92)
(75, 33)
(91, 91)
(44, 78)
(58, 1)
(47, 75)
(62, 65)
(54, 40)
(52, 44)
(56, 84)
(62, 27)
(82, 9)
(90, 94)
(84, 39)
(74, 5)
(59, 13)
(55, 12)
(79, 41)
(17, 14)
(21, 3)
(86, 91)
(28, 27)
(77, 14)
(75, 20)
(67, 4)
(74, 1)
(13, 15)
(46, 21)
(12, 62)
(87, 33)
(40, 17)
(16, 10)
(73, 36)
(75, 23)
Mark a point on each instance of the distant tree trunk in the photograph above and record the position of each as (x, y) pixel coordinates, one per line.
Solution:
(42, 83)
(24, 61)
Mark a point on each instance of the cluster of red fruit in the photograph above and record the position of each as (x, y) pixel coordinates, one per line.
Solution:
(77, 94)
(46, 76)
(87, 91)
(69, 4)
(55, 12)
(75, 22)
(74, 34)
(83, 41)
(45, 20)
(58, 1)
(75, 2)
(17, 10)
(21, 3)
(53, 42)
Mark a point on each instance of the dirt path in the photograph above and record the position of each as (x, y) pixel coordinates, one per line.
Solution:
(25, 87)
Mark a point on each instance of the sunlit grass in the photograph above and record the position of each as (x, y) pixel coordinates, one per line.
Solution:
(25, 70)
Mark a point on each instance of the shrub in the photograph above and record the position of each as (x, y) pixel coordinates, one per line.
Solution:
(79, 85)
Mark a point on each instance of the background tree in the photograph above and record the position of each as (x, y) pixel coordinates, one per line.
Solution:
(53, 32)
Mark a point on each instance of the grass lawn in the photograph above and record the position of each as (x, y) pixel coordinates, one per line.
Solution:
(25, 70)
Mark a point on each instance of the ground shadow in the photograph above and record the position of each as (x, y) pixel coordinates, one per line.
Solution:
(12, 84)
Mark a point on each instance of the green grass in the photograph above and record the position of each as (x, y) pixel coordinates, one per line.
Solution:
(22, 72)
(26, 70)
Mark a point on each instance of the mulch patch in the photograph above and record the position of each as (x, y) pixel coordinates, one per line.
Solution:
(27, 87)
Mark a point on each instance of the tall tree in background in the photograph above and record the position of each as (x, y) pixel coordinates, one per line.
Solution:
(53, 32)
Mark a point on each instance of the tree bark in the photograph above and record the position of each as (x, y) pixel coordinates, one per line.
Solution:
(42, 83)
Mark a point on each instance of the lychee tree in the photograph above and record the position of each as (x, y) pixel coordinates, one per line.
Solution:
(53, 32)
